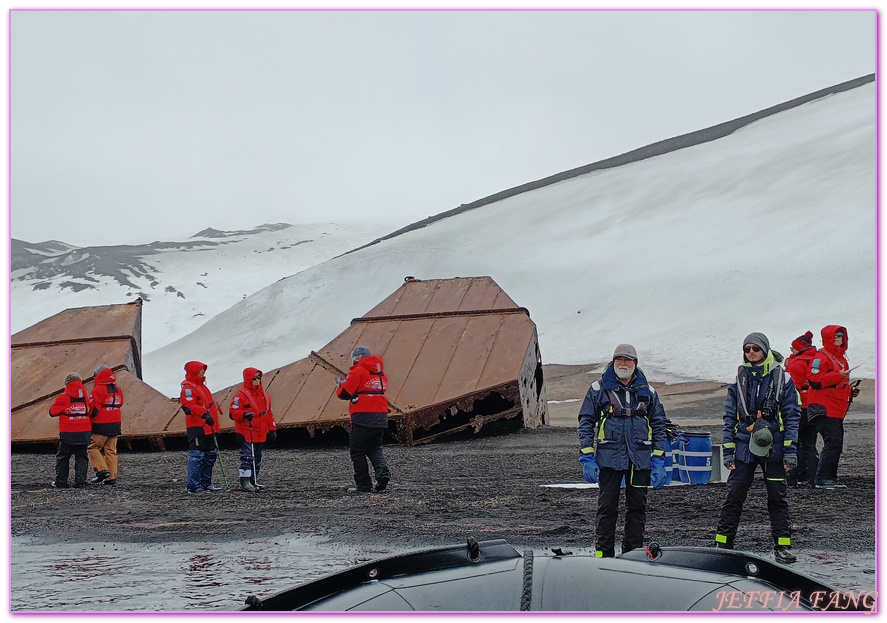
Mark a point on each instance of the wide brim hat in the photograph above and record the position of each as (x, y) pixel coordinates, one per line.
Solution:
(761, 440)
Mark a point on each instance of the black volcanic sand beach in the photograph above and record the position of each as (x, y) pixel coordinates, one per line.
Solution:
(441, 493)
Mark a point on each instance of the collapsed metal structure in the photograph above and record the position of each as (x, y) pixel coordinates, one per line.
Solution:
(459, 355)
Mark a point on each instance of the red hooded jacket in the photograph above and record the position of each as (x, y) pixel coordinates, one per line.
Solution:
(107, 398)
(829, 389)
(365, 387)
(798, 366)
(255, 400)
(197, 402)
(72, 408)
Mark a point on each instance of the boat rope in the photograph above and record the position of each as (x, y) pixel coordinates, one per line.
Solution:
(526, 597)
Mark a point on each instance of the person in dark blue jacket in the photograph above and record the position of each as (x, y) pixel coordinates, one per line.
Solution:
(761, 417)
(622, 435)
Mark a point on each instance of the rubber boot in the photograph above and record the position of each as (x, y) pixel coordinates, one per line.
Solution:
(246, 485)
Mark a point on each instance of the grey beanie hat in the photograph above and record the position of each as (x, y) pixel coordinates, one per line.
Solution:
(72, 376)
(99, 369)
(759, 339)
(360, 351)
(626, 350)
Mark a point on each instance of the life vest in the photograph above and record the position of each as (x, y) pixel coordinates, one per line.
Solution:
(772, 399)
(107, 399)
(72, 409)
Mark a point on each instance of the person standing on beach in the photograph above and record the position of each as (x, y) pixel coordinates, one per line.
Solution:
(202, 424)
(72, 408)
(829, 398)
(364, 388)
(107, 399)
(254, 425)
(798, 365)
(761, 418)
(622, 435)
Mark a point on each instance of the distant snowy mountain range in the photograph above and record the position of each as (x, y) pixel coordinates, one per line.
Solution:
(183, 283)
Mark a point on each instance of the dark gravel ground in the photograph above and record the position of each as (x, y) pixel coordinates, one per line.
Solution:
(486, 487)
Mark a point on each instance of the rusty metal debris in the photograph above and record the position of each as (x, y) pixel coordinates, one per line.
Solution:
(459, 355)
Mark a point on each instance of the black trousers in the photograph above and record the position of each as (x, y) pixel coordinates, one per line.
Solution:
(832, 431)
(365, 442)
(738, 483)
(62, 463)
(608, 509)
(808, 456)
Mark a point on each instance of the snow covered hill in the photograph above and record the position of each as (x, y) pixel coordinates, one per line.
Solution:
(183, 283)
(771, 228)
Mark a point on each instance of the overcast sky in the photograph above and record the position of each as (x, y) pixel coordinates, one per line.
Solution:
(134, 126)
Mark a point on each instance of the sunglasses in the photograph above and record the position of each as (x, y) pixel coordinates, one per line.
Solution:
(751, 348)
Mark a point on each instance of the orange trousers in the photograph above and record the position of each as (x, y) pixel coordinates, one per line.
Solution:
(102, 453)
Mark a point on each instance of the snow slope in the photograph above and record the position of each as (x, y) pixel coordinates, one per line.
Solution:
(183, 283)
(772, 229)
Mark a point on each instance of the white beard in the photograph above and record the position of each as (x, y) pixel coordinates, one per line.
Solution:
(623, 373)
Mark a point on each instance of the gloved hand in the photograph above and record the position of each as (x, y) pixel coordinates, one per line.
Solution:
(209, 419)
(271, 437)
(855, 391)
(729, 461)
(657, 475)
(790, 460)
(248, 417)
(590, 470)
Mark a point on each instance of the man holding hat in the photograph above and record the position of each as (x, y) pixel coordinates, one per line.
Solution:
(761, 418)
(622, 435)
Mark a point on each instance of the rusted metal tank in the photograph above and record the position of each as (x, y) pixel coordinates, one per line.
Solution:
(78, 340)
(459, 354)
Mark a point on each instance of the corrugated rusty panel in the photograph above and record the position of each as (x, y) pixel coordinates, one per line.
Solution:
(285, 384)
(145, 410)
(448, 296)
(85, 323)
(443, 295)
(448, 347)
(40, 371)
(400, 356)
(468, 361)
(431, 362)
(416, 298)
(509, 349)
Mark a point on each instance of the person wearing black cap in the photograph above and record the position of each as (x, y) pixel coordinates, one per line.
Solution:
(828, 399)
(364, 389)
(761, 418)
(798, 366)
(622, 430)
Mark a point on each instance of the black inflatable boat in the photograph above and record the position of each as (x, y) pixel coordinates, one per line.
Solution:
(494, 576)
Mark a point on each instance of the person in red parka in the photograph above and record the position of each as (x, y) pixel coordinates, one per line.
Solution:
(202, 423)
(72, 408)
(254, 425)
(106, 398)
(828, 399)
(364, 388)
(798, 365)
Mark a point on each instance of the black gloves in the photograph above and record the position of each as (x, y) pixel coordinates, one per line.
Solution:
(209, 419)
(271, 436)
(248, 417)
